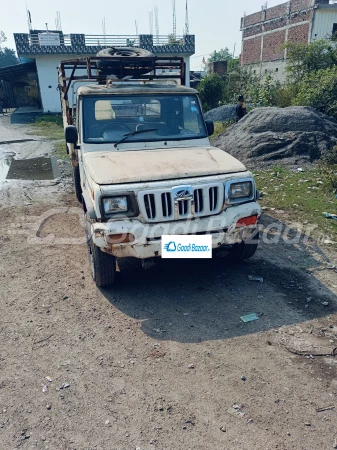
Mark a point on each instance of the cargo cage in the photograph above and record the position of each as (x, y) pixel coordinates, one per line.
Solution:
(157, 68)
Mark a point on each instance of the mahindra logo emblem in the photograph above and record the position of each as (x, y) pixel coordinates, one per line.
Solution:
(183, 193)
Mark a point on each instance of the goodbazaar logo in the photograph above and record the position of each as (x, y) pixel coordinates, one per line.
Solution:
(170, 247)
(187, 247)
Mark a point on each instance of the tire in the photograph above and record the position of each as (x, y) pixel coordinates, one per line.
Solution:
(134, 68)
(77, 183)
(242, 251)
(102, 265)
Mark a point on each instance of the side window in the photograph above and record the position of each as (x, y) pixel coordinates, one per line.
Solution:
(153, 108)
(191, 115)
(103, 110)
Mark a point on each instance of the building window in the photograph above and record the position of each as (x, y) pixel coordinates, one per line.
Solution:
(334, 32)
(254, 72)
(276, 70)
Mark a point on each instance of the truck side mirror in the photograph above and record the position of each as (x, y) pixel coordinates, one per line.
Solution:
(210, 127)
(71, 134)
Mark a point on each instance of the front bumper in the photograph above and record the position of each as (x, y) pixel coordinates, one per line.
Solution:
(147, 243)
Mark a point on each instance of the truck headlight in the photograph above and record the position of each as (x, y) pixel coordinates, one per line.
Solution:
(115, 205)
(240, 191)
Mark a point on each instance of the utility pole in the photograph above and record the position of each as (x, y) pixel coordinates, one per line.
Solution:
(174, 19)
(156, 15)
(187, 24)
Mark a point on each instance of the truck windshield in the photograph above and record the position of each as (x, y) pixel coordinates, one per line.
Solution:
(167, 117)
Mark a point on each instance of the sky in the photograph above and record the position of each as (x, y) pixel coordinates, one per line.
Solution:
(215, 23)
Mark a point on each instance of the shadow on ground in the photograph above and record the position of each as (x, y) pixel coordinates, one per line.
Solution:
(198, 300)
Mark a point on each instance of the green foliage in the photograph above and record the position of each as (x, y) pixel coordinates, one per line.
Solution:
(278, 171)
(50, 118)
(222, 55)
(328, 168)
(283, 95)
(330, 157)
(220, 127)
(3, 38)
(211, 89)
(304, 59)
(301, 195)
(7, 57)
(239, 81)
(311, 80)
(319, 90)
(50, 126)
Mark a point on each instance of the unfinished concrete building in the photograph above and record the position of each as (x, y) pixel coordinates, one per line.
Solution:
(265, 32)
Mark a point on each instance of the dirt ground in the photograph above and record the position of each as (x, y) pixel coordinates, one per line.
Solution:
(162, 360)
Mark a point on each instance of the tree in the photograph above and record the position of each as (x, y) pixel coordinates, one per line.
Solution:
(319, 90)
(303, 58)
(211, 89)
(3, 38)
(7, 55)
(222, 55)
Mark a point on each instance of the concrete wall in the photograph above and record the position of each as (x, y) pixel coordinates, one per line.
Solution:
(277, 69)
(323, 23)
(46, 66)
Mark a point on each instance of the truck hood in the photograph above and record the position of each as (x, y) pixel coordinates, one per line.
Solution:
(154, 165)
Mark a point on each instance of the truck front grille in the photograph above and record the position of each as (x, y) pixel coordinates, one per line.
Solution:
(160, 206)
(150, 206)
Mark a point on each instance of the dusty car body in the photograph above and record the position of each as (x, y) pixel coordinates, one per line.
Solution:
(144, 167)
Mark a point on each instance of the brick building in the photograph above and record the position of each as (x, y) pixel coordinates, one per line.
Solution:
(265, 32)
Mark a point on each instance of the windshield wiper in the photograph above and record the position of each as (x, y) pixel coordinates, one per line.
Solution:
(133, 134)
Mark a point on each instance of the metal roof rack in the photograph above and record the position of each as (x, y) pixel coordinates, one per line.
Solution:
(155, 68)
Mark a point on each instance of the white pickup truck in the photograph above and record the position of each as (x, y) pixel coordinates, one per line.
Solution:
(144, 167)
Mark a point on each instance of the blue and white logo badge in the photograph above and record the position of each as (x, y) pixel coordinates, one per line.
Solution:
(171, 247)
(186, 246)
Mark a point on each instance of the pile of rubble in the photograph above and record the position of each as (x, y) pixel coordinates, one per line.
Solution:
(294, 135)
(223, 113)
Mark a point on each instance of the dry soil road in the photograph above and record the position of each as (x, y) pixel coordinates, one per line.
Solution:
(162, 360)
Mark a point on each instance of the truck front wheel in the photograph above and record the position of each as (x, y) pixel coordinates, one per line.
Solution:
(244, 250)
(102, 265)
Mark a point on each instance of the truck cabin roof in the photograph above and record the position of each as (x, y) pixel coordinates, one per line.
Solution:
(134, 88)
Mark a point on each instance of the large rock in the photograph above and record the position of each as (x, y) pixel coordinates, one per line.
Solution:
(294, 135)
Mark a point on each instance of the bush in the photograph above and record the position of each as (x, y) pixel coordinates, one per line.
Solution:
(211, 89)
(304, 59)
(328, 169)
(319, 90)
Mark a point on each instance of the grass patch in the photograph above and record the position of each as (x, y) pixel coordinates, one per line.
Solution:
(304, 196)
(50, 118)
(50, 126)
(220, 127)
(61, 150)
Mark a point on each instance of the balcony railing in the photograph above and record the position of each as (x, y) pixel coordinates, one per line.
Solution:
(56, 42)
